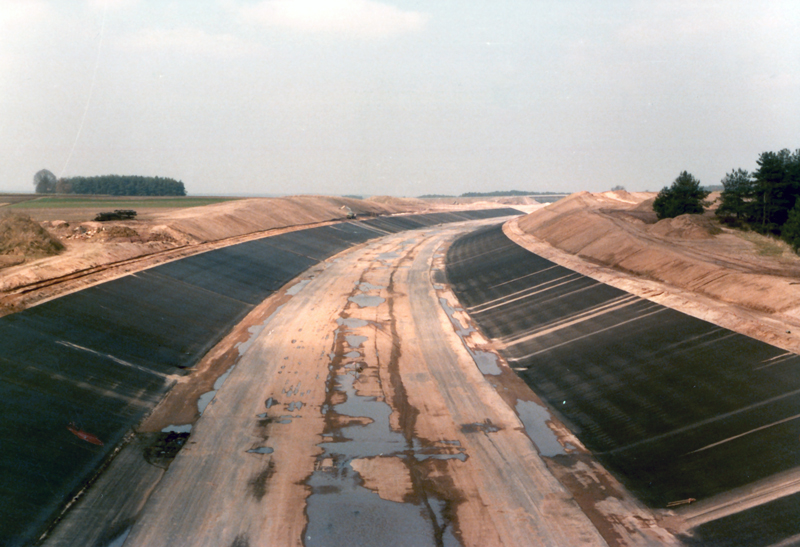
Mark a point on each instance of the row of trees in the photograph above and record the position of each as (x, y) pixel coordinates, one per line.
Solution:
(113, 185)
(766, 200)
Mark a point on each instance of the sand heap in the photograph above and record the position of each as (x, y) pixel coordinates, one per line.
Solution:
(690, 252)
(234, 218)
(22, 239)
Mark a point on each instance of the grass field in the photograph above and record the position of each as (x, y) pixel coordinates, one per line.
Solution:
(9, 199)
(112, 202)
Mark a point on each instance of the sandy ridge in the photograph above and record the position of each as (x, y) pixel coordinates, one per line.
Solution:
(717, 278)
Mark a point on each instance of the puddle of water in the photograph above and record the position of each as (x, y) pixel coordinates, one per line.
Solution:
(341, 513)
(485, 361)
(204, 400)
(120, 539)
(367, 301)
(297, 287)
(208, 396)
(352, 323)
(270, 402)
(460, 329)
(222, 378)
(186, 428)
(296, 405)
(448, 539)
(534, 417)
(354, 340)
(364, 441)
(291, 390)
(255, 331)
(261, 450)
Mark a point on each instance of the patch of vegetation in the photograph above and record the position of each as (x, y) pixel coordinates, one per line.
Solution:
(765, 245)
(164, 447)
(84, 202)
(767, 200)
(22, 238)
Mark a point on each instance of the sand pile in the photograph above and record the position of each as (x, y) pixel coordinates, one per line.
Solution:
(400, 204)
(23, 239)
(685, 227)
(234, 218)
(689, 252)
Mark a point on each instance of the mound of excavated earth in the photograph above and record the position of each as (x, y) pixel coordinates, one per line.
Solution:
(21, 237)
(740, 280)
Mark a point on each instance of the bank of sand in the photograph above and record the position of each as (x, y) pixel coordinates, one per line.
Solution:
(738, 280)
(96, 252)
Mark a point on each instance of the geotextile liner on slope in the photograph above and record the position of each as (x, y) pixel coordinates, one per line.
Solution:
(99, 360)
(677, 407)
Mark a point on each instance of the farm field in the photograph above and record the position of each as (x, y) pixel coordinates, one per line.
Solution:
(73, 208)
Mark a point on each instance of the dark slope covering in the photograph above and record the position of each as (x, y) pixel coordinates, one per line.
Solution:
(102, 358)
(675, 406)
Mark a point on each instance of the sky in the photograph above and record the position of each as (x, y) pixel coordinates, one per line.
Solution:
(396, 97)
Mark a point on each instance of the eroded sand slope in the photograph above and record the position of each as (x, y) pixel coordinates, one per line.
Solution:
(739, 280)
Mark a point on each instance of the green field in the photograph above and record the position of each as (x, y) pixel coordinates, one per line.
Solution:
(84, 202)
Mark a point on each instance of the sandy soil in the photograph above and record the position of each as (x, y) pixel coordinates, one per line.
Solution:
(739, 280)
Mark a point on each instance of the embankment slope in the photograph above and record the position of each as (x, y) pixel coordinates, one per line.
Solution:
(740, 280)
(159, 235)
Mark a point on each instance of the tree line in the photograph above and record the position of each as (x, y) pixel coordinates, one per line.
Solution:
(765, 200)
(505, 193)
(112, 185)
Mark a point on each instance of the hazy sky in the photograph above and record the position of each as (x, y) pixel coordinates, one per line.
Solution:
(399, 97)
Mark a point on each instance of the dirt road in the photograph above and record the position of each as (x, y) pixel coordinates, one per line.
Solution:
(357, 416)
